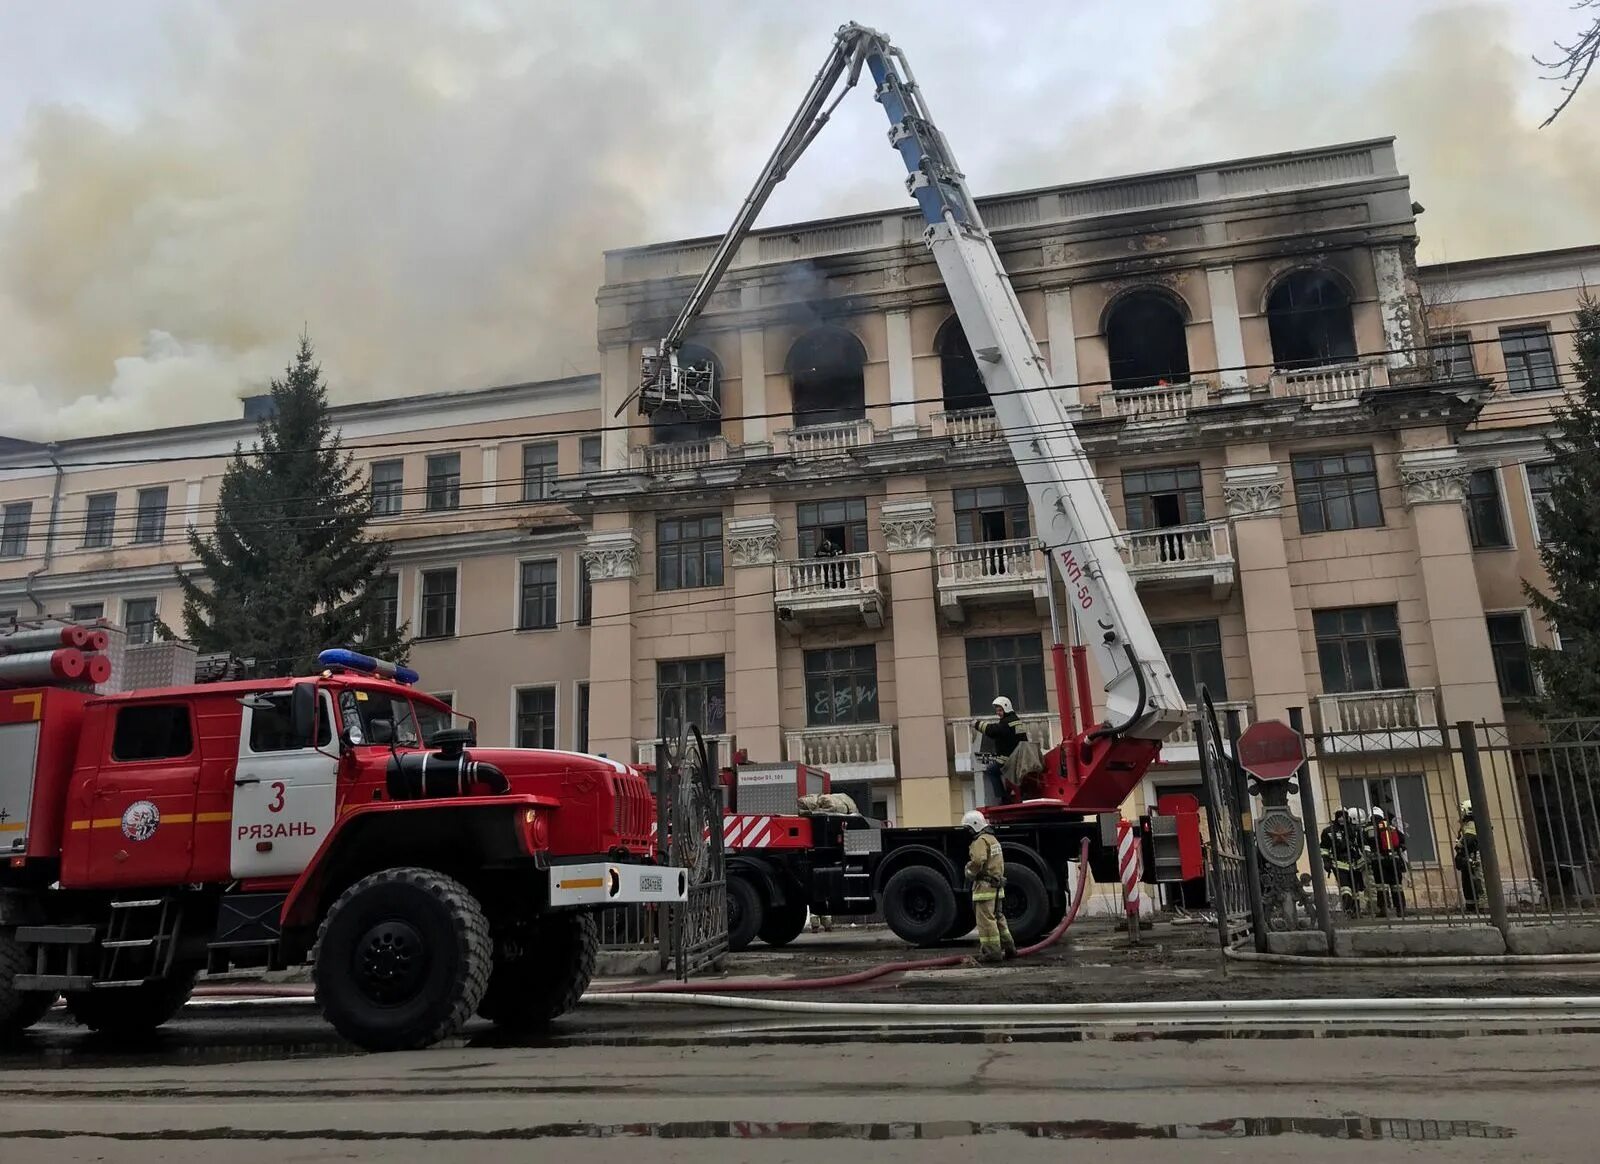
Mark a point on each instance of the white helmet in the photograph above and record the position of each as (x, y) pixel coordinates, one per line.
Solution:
(1358, 815)
(1466, 808)
(1377, 814)
(975, 821)
(1003, 703)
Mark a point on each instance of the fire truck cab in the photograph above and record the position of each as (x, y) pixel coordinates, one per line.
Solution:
(344, 819)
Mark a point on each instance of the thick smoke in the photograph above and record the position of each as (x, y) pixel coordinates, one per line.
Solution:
(428, 186)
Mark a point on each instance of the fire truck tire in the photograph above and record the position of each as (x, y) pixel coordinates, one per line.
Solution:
(19, 1009)
(403, 960)
(784, 923)
(965, 921)
(1027, 905)
(919, 905)
(746, 913)
(126, 1011)
(526, 994)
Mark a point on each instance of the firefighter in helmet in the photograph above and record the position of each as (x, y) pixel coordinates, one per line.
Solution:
(1469, 862)
(1386, 845)
(1344, 854)
(1003, 735)
(986, 870)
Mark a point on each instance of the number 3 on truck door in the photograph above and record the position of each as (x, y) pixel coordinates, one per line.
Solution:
(283, 797)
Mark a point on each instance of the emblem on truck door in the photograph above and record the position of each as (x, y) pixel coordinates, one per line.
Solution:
(140, 820)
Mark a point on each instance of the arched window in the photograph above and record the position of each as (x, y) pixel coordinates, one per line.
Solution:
(1145, 341)
(1308, 316)
(669, 426)
(825, 375)
(958, 369)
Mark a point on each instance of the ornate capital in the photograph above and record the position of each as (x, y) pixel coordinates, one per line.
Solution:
(1437, 475)
(611, 554)
(907, 525)
(1253, 491)
(752, 541)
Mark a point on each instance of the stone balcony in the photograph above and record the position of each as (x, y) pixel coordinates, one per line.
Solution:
(1398, 719)
(968, 748)
(1181, 747)
(645, 750)
(844, 752)
(991, 574)
(967, 426)
(1162, 402)
(817, 441)
(679, 456)
(1183, 555)
(1330, 384)
(813, 591)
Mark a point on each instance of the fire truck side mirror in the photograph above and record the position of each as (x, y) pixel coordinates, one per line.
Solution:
(303, 713)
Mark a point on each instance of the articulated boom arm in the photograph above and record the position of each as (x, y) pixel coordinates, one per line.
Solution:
(1073, 519)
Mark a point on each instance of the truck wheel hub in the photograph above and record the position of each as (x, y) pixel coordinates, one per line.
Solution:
(919, 905)
(391, 961)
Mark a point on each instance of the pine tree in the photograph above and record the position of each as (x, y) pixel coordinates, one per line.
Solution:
(289, 569)
(1570, 526)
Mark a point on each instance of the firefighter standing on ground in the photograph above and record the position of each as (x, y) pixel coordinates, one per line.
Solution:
(1344, 853)
(986, 869)
(1388, 851)
(1003, 734)
(1469, 862)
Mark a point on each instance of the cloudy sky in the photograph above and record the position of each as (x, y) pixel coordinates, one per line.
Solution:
(427, 184)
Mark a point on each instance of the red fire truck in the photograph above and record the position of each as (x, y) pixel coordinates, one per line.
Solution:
(339, 820)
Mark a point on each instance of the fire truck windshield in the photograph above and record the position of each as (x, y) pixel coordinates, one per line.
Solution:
(358, 708)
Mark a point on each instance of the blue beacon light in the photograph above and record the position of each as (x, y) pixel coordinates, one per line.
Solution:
(355, 661)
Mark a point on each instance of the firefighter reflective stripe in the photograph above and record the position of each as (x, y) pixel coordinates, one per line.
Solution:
(112, 822)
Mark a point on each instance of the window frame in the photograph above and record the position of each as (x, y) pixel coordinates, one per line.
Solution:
(590, 464)
(583, 600)
(381, 500)
(155, 617)
(1527, 643)
(439, 487)
(1303, 496)
(544, 481)
(703, 542)
(1413, 850)
(139, 706)
(95, 538)
(554, 722)
(1017, 692)
(1185, 494)
(832, 673)
(857, 529)
(1542, 331)
(394, 625)
(1474, 533)
(13, 544)
(703, 685)
(1192, 650)
(421, 602)
(1534, 494)
(75, 607)
(1014, 503)
(1368, 637)
(148, 516)
(580, 716)
(552, 605)
(1453, 344)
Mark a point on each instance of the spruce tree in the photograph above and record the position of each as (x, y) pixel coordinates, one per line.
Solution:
(289, 570)
(1570, 525)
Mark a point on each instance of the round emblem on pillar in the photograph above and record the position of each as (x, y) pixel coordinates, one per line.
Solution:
(1280, 837)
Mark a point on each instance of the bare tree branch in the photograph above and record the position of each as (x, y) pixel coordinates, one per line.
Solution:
(1576, 59)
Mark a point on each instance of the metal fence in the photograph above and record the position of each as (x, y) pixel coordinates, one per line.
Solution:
(1492, 823)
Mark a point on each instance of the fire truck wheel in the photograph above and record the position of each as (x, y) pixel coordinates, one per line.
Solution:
(746, 914)
(966, 919)
(403, 960)
(19, 1009)
(1027, 905)
(919, 905)
(127, 1011)
(784, 923)
(527, 993)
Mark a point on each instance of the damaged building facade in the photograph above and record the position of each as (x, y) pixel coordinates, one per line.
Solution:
(1324, 460)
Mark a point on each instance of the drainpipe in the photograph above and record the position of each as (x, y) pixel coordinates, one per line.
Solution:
(49, 530)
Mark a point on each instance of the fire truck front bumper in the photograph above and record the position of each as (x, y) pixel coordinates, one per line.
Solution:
(615, 883)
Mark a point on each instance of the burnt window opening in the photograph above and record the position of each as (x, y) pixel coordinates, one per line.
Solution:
(1309, 319)
(958, 369)
(1163, 498)
(672, 426)
(1145, 342)
(825, 374)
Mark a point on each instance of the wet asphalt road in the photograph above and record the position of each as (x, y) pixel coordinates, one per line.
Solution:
(270, 1084)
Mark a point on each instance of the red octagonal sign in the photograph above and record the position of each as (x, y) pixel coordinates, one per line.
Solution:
(1271, 750)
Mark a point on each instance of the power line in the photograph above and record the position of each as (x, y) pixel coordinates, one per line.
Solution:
(593, 430)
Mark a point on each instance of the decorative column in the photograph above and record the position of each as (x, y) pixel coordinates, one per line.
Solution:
(491, 472)
(902, 386)
(757, 719)
(1434, 483)
(1226, 329)
(1063, 339)
(612, 558)
(924, 750)
(753, 389)
(1254, 496)
(1400, 304)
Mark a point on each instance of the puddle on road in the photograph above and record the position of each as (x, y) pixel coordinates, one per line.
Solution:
(1324, 1127)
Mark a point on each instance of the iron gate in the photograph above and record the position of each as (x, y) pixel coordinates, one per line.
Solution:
(1225, 809)
(689, 807)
